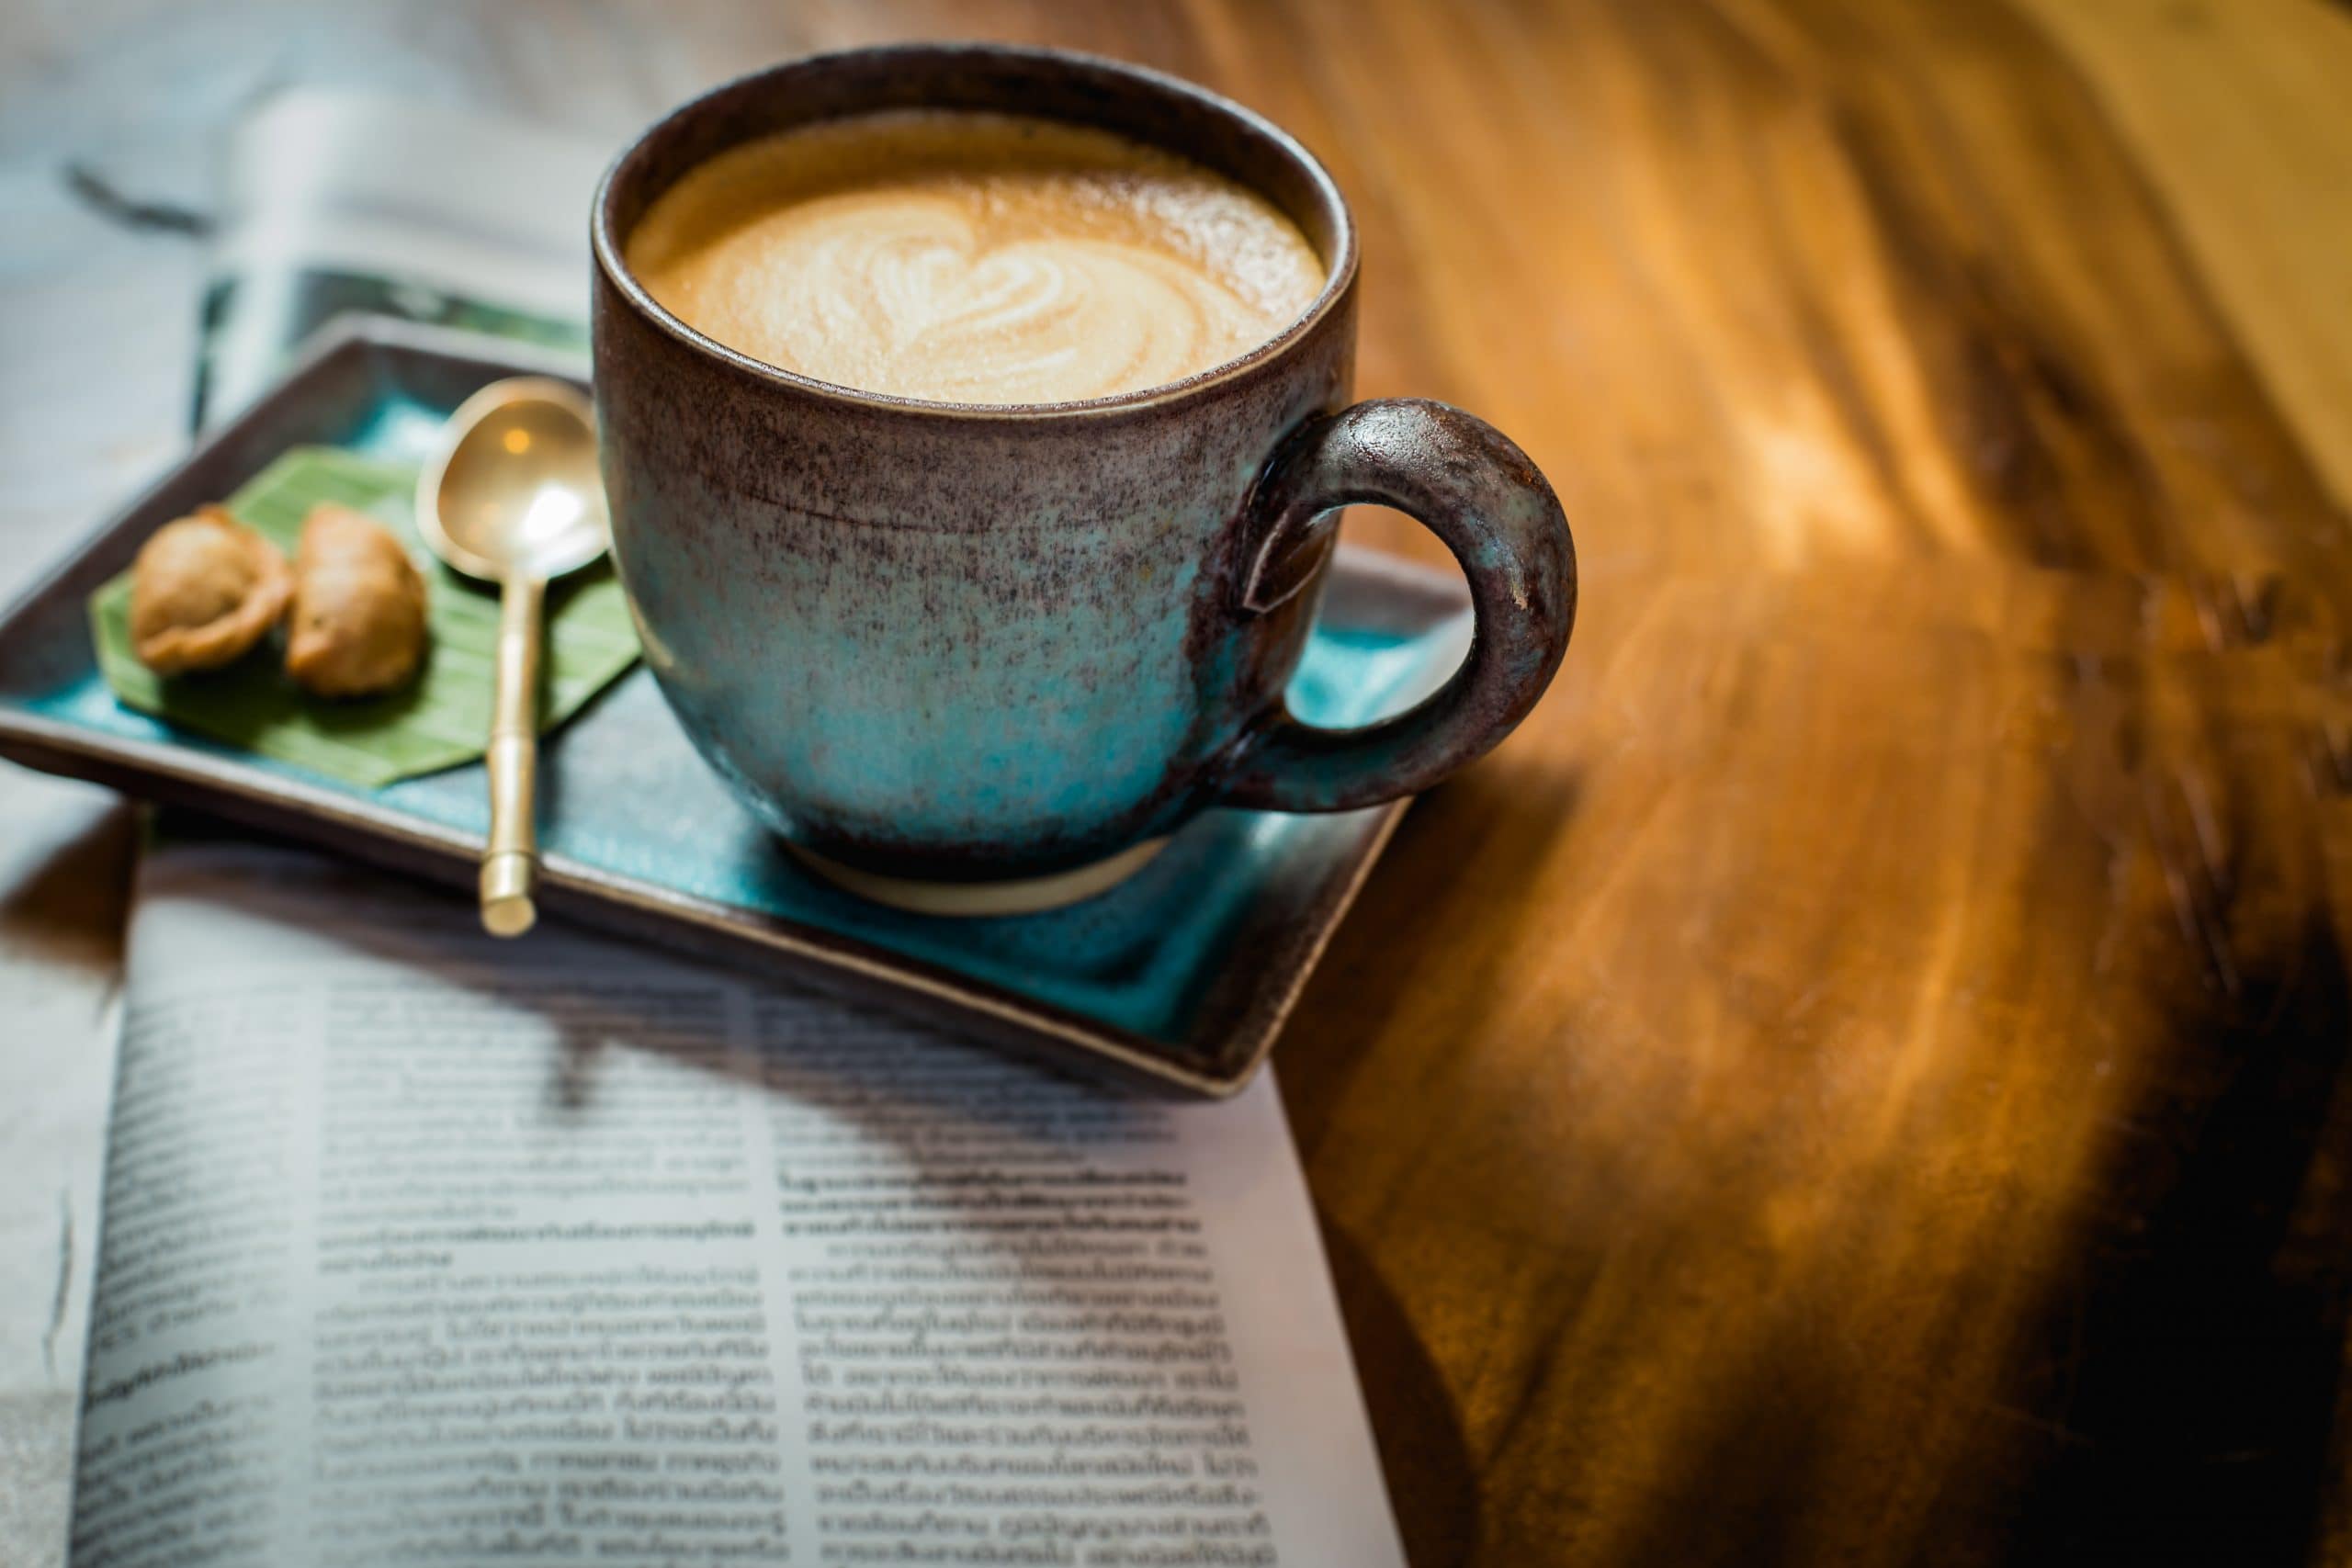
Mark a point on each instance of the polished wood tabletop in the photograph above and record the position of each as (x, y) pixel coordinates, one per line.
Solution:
(1863, 1076)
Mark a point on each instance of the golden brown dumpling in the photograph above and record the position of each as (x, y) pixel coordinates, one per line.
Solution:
(203, 590)
(358, 624)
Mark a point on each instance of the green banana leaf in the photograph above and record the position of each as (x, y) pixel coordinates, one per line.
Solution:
(439, 720)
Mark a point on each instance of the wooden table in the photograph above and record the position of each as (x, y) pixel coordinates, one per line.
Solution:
(1862, 1076)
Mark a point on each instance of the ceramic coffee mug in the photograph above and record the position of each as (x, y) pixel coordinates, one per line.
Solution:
(1006, 648)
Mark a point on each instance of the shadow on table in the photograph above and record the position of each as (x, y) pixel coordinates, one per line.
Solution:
(1431, 1482)
(2194, 1354)
(1384, 954)
(68, 907)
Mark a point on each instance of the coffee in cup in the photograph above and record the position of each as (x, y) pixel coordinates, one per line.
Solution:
(962, 256)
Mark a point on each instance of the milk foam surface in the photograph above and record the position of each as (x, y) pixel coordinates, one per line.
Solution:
(965, 257)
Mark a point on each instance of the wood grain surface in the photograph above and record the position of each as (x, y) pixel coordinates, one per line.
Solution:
(1862, 1076)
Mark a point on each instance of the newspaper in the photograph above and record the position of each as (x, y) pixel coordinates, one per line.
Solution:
(419, 1247)
(336, 203)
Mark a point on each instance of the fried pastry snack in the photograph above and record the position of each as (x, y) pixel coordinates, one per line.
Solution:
(358, 621)
(205, 588)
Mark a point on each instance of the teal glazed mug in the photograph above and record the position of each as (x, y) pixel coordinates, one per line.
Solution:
(981, 657)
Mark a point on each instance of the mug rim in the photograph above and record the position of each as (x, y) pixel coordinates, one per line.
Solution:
(1340, 269)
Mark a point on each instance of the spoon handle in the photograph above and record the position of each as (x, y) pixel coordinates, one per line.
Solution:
(510, 861)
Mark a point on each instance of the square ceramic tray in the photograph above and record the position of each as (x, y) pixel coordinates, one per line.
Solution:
(1177, 979)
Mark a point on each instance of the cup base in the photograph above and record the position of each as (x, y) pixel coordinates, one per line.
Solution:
(1016, 895)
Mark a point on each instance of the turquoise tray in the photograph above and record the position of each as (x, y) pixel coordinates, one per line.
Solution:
(1177, 979)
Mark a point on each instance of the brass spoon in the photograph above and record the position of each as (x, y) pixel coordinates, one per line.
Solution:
(511, 495)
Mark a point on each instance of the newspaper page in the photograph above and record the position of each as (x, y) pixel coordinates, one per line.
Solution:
(418, 1248)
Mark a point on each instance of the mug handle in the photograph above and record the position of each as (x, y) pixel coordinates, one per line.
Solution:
(1467, 483)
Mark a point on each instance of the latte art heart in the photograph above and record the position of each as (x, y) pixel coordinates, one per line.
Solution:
(973, 258)
(902, 295)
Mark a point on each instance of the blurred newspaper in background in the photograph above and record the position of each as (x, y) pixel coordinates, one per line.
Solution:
(335, 203)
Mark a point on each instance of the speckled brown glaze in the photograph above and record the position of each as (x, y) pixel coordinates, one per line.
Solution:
(945, 640)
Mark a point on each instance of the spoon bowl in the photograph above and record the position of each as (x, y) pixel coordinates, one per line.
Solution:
(514, 487)
(512, 496)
